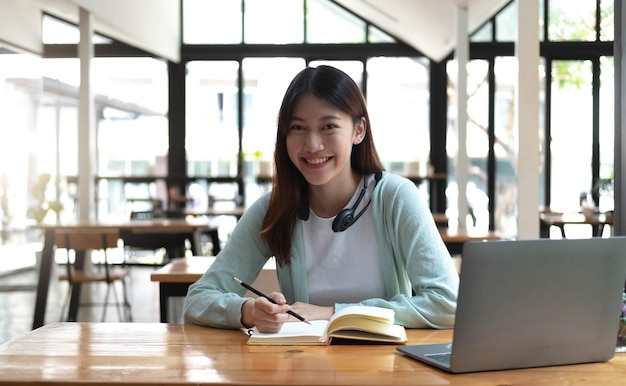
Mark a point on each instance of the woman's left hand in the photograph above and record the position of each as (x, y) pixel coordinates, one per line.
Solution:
(312, 312)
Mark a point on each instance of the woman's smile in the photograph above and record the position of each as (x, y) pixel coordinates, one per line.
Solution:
(316, 161)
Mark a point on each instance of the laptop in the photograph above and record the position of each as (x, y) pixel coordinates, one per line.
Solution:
(533, 303)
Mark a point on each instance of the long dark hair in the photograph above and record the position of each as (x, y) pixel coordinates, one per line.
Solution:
(289, 185)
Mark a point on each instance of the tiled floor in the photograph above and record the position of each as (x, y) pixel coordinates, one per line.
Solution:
(17, 307)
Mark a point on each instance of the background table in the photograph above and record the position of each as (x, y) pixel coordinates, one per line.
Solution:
(596, 220)
(455, 238)
(160, 229)
(176, 354)
(175, 278)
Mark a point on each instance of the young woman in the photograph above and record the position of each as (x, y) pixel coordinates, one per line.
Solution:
(342, 230)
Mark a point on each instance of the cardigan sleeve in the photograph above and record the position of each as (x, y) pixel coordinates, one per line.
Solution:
(215, 300)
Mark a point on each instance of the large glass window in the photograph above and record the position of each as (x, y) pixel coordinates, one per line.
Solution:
(505, 149)
(477, 144)
(212, 105)
(398, 102)
(273, 21)
(375, 35)
(571, 129)
(572, 23)
(607, 135)
(607, 30)
(346, 28)
(20, 95)
(484, 34)
(132, 123)
(506, 24)
(212, 21)
(265, 83)
(130, 97)
(58, 116)
(505, 143)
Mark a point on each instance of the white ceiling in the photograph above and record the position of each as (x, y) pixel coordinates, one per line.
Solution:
(426, 25)
(152, 25)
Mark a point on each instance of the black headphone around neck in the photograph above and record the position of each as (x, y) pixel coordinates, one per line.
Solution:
(346, 217)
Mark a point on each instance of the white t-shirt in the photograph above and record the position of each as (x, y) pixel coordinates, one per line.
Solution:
(343, 267)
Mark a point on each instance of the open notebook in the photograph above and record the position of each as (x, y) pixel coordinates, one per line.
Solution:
(353, 323)
(533, 303)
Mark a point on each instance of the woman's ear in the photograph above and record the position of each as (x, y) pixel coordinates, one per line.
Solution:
(359, 132)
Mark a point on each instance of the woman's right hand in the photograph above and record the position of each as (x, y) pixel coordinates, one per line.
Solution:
(265, 315)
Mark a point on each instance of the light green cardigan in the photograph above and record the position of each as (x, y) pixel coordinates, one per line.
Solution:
(421, 282)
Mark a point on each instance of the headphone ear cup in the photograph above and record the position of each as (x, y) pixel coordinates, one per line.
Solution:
(343, 220)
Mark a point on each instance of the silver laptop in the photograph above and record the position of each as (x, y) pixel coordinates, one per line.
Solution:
(533, 303)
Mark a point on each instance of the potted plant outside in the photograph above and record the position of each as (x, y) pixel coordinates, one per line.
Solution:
(41, 205)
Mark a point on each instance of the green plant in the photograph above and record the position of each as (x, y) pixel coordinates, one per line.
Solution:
(39, 210)
(604, 185)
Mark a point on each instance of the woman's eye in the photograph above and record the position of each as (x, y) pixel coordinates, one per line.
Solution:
(296, 128)
(330, 126)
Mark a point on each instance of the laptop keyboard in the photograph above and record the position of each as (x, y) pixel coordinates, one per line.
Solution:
(441, 357)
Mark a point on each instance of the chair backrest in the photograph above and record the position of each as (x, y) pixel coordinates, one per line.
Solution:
(85, 239)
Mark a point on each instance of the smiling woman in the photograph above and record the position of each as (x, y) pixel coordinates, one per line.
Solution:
(328, 171)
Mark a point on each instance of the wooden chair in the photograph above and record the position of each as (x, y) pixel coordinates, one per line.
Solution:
(81, 241)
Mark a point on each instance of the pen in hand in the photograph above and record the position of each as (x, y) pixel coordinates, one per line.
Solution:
(290, 312)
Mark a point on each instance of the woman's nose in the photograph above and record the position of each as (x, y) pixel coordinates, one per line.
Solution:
(313, 142)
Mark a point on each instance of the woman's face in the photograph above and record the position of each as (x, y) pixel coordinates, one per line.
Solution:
(320, 140)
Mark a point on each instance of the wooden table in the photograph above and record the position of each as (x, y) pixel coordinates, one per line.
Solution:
(159, 228)
(441, 220)
(175, 278)
(177, 354)
(596, 220)
(455, 238)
